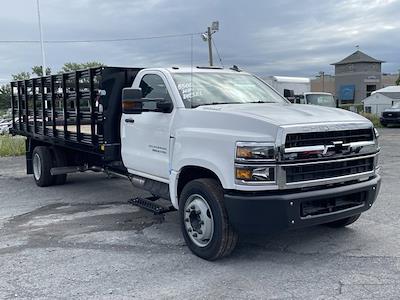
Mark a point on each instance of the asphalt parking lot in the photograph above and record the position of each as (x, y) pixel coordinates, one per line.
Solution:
(82, 240)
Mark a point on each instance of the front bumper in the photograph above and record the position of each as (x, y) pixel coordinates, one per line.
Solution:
(276, 211)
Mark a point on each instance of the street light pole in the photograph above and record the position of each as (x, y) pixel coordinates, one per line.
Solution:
(41, 40)
(209, 37)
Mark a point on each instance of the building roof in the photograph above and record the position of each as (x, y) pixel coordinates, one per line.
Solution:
(377, 99)
(392, 92)
(291, 79)
(358, 57)
(389, 89)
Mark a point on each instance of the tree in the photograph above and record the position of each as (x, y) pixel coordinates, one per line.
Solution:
(37, 70)
(5, 96)
(398, 79)
(21, 76)
(71, 67)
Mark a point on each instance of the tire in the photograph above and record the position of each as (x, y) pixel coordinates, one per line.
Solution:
(343, 222)
(215, 237)
(59, 160)
(42, 161)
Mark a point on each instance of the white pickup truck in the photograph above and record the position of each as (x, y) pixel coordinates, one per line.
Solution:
(231, 154)
(316, 98)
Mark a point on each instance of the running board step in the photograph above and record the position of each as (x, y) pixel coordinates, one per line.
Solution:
(148, 204)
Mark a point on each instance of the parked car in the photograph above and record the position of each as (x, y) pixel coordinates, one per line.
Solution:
(391, 115)
(5, 126)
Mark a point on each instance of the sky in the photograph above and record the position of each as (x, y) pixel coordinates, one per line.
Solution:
(285, 37)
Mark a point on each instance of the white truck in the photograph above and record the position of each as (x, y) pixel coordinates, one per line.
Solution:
(289, 87)
(231, 154)
(317, 98)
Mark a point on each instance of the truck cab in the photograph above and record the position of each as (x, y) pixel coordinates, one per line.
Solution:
(238, 157)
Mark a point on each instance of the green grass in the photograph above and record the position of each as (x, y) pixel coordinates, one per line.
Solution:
(11, 145)
(373, 118)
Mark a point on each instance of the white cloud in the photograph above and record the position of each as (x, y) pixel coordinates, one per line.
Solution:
(287, 37)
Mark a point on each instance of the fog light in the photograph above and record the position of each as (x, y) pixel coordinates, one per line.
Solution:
(255, 173)
(243, 174)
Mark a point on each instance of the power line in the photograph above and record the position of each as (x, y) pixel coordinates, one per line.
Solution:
(219, 56)
(98, 40)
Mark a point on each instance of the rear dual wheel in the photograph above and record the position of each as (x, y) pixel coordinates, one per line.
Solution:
(43, 159)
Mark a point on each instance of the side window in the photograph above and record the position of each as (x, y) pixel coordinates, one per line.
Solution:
(153, 89)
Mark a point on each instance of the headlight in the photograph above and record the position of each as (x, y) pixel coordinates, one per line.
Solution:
(376, 132)
(255, 173)
(256, 152)
(250, 158)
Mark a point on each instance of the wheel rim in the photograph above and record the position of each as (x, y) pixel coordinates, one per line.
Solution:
(37, 170)
(199, 221)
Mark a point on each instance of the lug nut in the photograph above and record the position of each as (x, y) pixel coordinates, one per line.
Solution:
(190, 230)
(187, 220)
(201, 222)
(194, 235)
(192, 207)
(198, 212)
(199, 231)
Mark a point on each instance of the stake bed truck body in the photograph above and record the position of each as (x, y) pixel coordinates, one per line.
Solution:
(230, 153)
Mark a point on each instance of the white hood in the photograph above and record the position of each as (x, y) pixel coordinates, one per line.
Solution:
(288, 114)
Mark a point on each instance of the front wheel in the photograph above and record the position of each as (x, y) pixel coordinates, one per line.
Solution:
(343, 222)
(204, 220)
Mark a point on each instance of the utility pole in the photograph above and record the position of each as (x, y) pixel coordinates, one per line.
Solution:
(322, 74)
(41, 40)
(207, 37)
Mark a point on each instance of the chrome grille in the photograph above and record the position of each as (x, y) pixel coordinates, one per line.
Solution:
(316, 171)
(311, 158)
(326, 137)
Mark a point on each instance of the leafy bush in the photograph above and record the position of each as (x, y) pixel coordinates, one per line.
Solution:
(373, 118)
(358, 108)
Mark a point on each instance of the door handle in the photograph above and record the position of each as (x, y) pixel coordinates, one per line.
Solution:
(129, 120)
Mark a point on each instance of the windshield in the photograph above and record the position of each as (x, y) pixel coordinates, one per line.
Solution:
(320, 99)
(223, 88)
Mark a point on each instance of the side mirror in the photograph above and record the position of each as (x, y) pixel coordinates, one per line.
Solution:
(164, 106)
(132, 101)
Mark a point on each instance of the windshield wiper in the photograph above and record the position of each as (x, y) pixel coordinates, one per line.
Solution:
(215, 103)
(261, 101)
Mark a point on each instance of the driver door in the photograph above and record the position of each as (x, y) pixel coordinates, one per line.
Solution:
(145, 137)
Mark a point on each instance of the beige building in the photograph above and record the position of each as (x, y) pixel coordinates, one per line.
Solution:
(326, 83)
(389, 79)
(323, 83)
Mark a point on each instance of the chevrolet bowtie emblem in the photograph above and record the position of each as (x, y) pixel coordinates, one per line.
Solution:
(336, 146)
